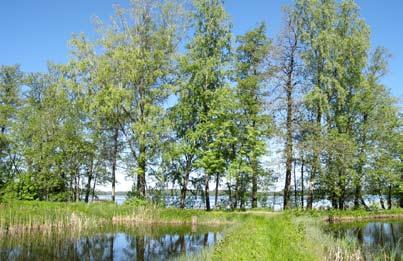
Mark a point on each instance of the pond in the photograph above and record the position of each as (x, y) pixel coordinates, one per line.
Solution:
(112, 243)
(376, 239)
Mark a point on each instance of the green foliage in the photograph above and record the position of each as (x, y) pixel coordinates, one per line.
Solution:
(128, 101)
(253, 125)
(11, 80)
(204, 83)
(136, 202)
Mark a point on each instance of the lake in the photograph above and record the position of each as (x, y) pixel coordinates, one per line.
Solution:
(378, 238)
(194, 202)
(110, 243)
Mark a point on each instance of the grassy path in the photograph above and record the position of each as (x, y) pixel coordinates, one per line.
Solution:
(264, 236)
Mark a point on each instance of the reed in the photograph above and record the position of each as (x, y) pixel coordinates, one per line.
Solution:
(26, 216)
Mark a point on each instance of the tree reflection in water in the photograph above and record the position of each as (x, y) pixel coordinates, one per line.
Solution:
(104, 246)
(375, 238)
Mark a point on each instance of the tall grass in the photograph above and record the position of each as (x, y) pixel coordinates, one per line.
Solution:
(23, 216)
(325, 245)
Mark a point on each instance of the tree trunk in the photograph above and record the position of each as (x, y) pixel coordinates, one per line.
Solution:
(401, 199)
(184, 188)
(141, 173)
(229, 193)
(302, 183)
(77, 187)
(309, 202)
(114, 159)
(295, 187)
(89, 179)
(342, 200)
(357, 196)
(206, 191)
(315, 169)
(381, 201)
(88, 189)
(236, 193)
(334, 201)
(288, 150)
(71, 189)
(217, 183)
(93, 187)
(390, 196)
(401, 193)
(242, 192)
(363, 203)
(342, 189)
(358, 186)
(254, 191)
(254, 183)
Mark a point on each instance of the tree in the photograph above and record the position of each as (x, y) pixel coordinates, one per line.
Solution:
(132, 78)
(289, 72)
(11, 79)
(87, 79)
(378, 135)
(253, 127)
(181, 153)
(315, 20)
(330, 30)
(205, 73)
(51, 139)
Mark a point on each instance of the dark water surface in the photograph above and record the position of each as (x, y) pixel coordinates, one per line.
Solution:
(377, 239)
(110, 244)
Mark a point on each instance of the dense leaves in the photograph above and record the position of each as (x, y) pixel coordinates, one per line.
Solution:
(168, 97)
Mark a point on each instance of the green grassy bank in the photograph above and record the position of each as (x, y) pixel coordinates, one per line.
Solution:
(251, 235)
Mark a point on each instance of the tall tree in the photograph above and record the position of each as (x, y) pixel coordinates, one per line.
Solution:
(289, 72)
(136, 65)
(315, 20)
(330, 30)
(11, 80)
(51, 140)
(205, 69)
(252, 70)
(85, 72)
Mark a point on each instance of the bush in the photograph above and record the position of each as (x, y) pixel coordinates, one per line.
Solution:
(22, 188)
(136, 202)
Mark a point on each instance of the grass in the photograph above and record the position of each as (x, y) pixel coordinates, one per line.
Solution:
(249, 235)
(20, 216)
(325, 245)
(351, 215)
(264, 238)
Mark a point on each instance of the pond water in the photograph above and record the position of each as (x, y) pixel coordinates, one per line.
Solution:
(375, 238)
(110, 244)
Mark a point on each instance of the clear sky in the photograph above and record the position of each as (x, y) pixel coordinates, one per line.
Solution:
(36, 31)
(33, 32)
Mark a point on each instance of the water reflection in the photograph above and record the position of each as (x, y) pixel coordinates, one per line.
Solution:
(105, 246)
(375, 238)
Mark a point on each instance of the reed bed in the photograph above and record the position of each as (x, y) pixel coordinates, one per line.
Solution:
(22, 217)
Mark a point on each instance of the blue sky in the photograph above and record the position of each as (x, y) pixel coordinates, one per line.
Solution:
(34, 32)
